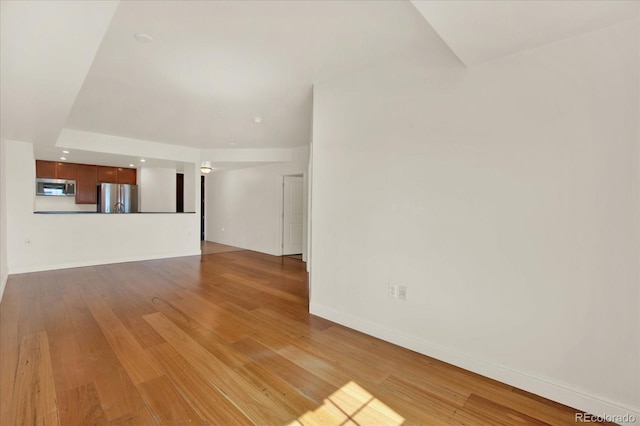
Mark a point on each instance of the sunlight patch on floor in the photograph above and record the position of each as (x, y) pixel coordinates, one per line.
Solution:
(350, 405)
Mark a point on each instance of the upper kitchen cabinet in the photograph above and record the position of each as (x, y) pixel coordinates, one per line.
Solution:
(127, 176)
(45, 169)
(66, 171)
(107, 174)
(116, 175)
(54, 170)
(86, 183)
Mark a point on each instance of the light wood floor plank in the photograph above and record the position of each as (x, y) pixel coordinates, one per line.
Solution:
(209, 316)
(132, 356)
(166, 405)
(249, 400)
(34, 396)
(142, 417)
(9, 349)
(210, 404)
(264, 286)
(82, 406)
(118, 395)
(66, 357)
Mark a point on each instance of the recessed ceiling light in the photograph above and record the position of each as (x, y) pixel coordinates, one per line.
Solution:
(142, 160)
(65, 152)
(63, 158)
(143, 38)
(131, 165)
(257, 119)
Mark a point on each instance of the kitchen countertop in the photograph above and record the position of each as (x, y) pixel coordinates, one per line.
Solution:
(84, 212)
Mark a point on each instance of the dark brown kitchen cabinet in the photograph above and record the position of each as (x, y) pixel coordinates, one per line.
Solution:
(66, 171)
(45, 169)
(86, 184)
(107, 174)
(55, 170)
(127, 176)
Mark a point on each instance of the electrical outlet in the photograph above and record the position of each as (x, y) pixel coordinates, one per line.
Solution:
(393, 290)
(402, 292)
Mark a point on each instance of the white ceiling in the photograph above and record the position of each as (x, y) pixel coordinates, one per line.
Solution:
(480, 31)
(215, 65)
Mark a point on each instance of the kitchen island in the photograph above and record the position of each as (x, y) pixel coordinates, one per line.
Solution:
(55, 232)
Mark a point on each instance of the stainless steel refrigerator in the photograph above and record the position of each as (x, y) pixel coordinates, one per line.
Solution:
(117, 198)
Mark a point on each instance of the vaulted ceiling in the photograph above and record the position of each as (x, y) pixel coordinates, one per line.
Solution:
(213, 67)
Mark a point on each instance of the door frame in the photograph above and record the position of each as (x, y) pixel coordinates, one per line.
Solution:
(304, 214)
(202, 204)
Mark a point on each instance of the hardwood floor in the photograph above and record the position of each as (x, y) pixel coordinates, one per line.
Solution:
(220, 339)
(210, 247)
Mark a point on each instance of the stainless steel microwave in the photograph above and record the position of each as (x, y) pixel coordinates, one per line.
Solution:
(56, 187)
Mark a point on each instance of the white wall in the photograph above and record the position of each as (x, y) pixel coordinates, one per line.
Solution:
(157, 189)
(43, 242)
(49, 203)
(244, 207)
(505, 197)
(3, 221)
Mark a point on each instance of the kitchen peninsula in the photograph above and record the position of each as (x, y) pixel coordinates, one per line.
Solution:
(57, 240)
(54, 232)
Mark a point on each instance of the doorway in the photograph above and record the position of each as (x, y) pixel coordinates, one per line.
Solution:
(179, 192)
(292, 215)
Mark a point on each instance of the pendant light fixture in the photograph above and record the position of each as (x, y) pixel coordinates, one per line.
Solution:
(205, 167)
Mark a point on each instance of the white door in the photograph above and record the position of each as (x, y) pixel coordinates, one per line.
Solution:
(292, 215)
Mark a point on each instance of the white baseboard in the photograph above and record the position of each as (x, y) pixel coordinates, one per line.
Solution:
(51, 267)
(540, 386)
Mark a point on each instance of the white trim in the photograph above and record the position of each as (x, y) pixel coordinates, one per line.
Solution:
(53, 267)
(282, 215)
(538, 385)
